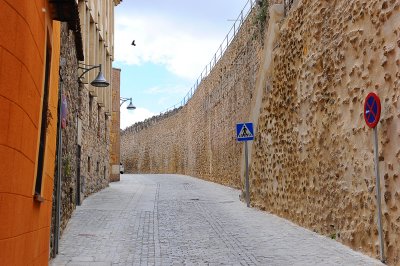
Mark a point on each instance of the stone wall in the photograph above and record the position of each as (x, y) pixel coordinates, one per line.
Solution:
(69, 85)
(95, 143)
(86, 134)
(312, 159)
(196, 138)
(115, 126)
(79, 134)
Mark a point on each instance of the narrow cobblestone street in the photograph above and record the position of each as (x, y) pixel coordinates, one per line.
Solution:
(179, 220)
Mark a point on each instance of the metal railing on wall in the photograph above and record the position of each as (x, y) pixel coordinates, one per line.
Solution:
(250, 4)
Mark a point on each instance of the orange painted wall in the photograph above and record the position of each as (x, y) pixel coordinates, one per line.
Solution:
(25, 223)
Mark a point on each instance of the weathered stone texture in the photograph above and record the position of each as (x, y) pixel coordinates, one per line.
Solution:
(196, 138)
(69, 85)
(95, 144)
(312, 160)
(115, 126)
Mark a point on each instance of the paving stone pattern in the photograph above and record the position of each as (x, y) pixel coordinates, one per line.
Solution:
(180, 220)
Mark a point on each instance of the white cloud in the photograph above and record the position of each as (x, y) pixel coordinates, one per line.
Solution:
(163, 41)
(178, 36)
(129, 118)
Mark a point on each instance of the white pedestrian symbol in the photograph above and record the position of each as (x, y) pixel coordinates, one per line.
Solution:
(245, 132)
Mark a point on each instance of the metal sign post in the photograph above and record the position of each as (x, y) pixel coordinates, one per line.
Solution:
(245, 132)
(378, 194)
(372, 112)
(247, 174)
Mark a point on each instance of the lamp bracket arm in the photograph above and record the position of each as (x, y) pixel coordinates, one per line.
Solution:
(85, 70)
(122, 99)
(122, 102)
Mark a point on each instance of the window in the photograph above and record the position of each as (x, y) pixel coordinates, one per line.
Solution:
(90, 110)
(98, 120)
(105, 127)
(88, 164)
(98, 167)
(43, 127)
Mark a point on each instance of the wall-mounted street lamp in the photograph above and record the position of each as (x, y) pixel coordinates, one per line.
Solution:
(130, 106)
(99, 81)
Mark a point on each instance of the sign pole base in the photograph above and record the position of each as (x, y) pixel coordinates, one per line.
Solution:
(247, 174)
(378, 195)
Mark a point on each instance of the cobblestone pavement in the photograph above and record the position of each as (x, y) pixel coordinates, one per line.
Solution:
(179, 220)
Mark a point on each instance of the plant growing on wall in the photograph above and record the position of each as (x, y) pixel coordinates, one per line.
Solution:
(262, 13)
(67, 166)
(260, 18)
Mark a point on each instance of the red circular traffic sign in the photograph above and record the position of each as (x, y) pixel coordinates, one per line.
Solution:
(372, 109)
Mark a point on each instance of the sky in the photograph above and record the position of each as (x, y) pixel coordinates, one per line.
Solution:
(174, 40)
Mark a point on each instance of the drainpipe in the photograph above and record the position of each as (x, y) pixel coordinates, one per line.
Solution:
(59, 161)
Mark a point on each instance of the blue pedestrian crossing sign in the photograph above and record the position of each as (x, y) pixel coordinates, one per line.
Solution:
(244, 131)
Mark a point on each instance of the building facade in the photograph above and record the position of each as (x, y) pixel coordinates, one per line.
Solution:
(29, 61)
(97, 27)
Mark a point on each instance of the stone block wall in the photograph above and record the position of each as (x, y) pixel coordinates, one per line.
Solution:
(196, 138)
(312, 159)
(78, 179)
(95, 144)
(69, 85)
(115, 126)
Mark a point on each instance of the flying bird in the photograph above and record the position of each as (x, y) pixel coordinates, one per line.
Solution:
(133, 43)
